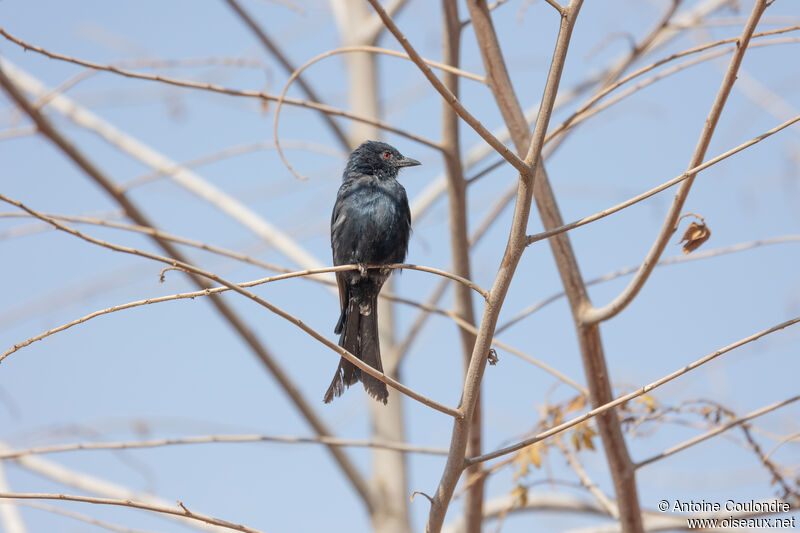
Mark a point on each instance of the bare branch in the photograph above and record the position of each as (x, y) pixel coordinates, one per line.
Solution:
(513, 253)
(449, 97)
(284, 61)
(595, 315)
(558, 7)
(606, 502)
(631, 269)
(217, 290)
(208, 439)
(716, 431)
(580, 113)
(98, 486)
(236, 288)
(666, 185)
(182, 511)
(351, 49)
(547, 368)
(188, 179)
(635, 394)
(459, 250)
(196, 275)
(784, 440)
(212, 88)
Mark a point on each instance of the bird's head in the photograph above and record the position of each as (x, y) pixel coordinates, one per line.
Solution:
(378, 159)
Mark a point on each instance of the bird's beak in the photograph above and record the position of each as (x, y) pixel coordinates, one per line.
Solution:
(407, 162)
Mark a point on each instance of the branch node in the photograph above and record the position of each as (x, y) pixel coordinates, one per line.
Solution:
(558, 7)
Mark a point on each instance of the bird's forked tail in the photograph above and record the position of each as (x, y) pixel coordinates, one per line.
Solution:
(358, 325)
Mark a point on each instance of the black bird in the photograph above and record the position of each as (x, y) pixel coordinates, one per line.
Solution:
(371, 224)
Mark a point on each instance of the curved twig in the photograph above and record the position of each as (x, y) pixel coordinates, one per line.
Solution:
(346, 50)
(666, 185)
(594, 315)
(217, 89)
(284, 61)
(612, 87)
(631, 269)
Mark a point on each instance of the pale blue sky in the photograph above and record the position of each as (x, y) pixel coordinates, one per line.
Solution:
(176, 369)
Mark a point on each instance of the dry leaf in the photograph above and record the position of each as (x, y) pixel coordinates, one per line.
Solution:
(587, 438)
(529, 455)
(649, 402)
(520, 495)
(558, 416)
(577, 404)
(695, 235)
(582, 437)
(576, 441)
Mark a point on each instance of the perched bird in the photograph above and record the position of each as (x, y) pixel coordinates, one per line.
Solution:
(371, 224)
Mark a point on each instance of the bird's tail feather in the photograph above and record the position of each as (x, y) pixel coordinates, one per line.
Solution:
(359, 336)
(370, 352)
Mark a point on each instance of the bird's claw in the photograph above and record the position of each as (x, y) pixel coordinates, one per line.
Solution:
(363, 269)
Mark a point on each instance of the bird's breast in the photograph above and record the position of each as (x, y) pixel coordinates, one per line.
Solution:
(370, 224)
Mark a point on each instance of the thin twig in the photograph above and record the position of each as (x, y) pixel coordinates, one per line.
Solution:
(613, 86)
(217, 290)
(284, 61)
(449, 97)
(44, 125)
(182, 512)
(607, 503)
(207, 439)
(666, 185)
(217, 89)
(346, 50)
(595, 315)
(630, 396)
(152, 158)
(716, 431)
(784, 440)
(236, 288)
(631, 269)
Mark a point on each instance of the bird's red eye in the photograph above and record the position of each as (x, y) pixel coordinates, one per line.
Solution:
(387, 155)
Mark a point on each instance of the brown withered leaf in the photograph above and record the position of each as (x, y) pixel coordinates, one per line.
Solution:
(695, 235)
(577, 404)
(530, 455)
(576, 440)
(649, 402)
(587, 438)
(520, 495)
(582, 437)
